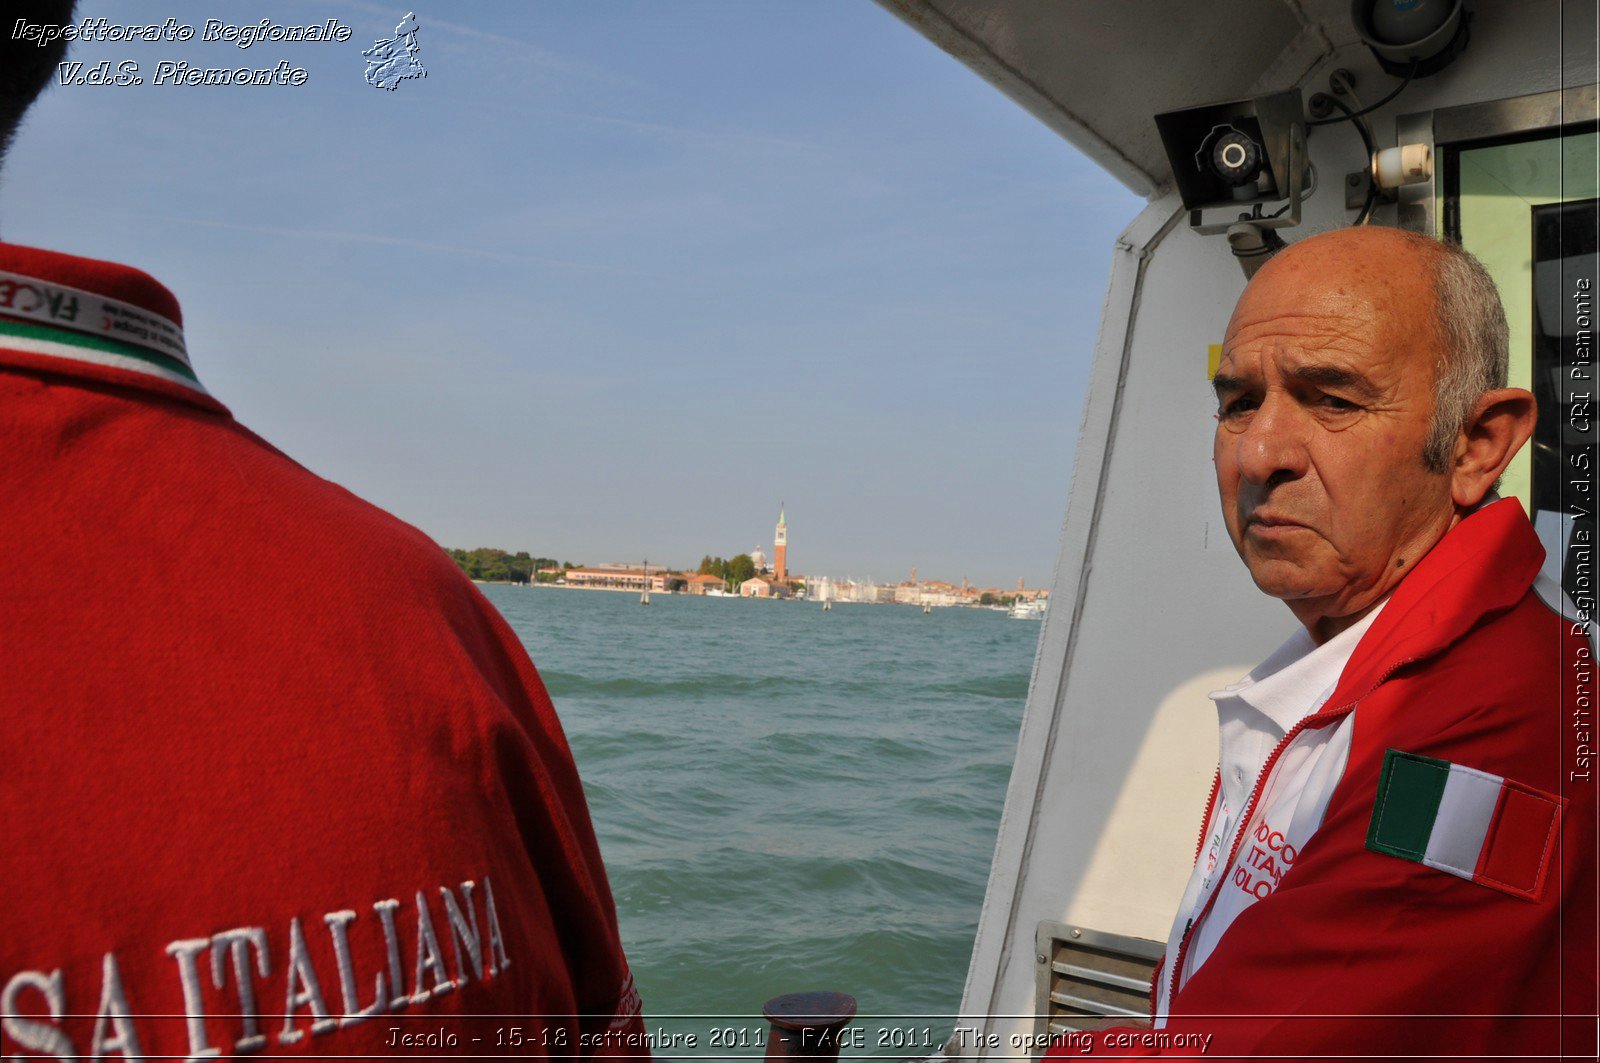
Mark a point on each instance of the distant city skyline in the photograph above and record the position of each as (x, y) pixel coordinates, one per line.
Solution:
(614, 278)
(767, 562)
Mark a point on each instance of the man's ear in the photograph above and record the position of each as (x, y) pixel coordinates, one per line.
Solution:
(1500, 424)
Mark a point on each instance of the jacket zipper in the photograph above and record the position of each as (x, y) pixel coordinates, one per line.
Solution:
(1233, 851)
(1199, 846)
(1248, 810)
(1321, 718)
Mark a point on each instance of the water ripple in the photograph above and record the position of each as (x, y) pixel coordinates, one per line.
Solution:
(786, 798)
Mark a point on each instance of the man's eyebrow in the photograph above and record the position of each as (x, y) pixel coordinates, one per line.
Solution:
(1330, 376)
(1223, 382)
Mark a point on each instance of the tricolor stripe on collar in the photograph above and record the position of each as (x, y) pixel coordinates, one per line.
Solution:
(43, 317)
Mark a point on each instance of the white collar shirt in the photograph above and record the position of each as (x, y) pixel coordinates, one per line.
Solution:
(1253, 716)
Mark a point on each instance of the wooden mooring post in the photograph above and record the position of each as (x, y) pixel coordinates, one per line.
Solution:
(806, 1025)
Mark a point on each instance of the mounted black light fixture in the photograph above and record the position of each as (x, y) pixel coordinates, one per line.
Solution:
(1235, 158)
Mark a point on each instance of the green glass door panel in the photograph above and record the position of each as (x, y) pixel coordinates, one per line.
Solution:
(1499, 185)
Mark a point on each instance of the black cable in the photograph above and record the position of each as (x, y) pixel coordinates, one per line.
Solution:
(1306, 194)
(1372, 151)
(1411, 72)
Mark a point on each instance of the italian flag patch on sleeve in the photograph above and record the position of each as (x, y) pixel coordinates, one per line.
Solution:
(1484, 828)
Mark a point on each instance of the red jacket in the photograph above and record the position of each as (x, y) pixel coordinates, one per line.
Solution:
(1364, 954)
(274, 776)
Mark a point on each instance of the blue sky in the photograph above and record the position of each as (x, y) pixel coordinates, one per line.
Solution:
(616, 278)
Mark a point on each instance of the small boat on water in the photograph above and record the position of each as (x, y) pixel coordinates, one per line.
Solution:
(1034, 610)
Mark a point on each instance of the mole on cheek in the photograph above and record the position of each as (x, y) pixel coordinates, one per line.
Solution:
(1399, 562)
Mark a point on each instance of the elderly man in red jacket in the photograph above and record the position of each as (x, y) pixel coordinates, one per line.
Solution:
(1398, 857)
(249, 806)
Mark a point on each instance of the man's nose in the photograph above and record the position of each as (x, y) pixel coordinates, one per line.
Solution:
(1273, 446)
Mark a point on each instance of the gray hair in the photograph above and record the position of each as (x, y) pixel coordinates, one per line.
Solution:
(1474, 344)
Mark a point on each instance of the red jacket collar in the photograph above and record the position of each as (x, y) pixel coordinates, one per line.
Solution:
(1483, 566)
(82, 317)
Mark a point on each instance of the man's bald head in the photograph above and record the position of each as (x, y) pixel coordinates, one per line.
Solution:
(1350, 356)
(1400, 275)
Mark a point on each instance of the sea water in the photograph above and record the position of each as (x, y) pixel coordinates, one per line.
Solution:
(787, 799)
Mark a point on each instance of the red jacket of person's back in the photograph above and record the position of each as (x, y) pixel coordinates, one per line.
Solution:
(274, 776)
(1361, 953)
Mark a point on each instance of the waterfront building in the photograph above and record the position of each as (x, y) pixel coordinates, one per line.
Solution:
(867, 592)
(700, 583)
(929, 592)
(763, 587)
(623, 578)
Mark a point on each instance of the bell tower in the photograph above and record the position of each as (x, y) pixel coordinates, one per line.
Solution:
(780, 548)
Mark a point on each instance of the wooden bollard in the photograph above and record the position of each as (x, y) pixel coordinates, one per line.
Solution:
(807, 1025)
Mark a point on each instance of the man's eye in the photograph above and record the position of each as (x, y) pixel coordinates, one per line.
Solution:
(1334, 402)
(1236, 407)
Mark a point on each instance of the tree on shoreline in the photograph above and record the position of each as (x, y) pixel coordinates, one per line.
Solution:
(496, 566)
(734, 570)
(740, 569)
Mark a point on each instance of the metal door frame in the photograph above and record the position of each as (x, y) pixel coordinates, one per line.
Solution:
(1542, 114)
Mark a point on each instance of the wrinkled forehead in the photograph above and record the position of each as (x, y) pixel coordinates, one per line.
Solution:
(1357, 302)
